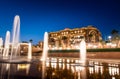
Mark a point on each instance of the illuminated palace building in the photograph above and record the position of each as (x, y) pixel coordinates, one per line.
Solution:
(70, 38)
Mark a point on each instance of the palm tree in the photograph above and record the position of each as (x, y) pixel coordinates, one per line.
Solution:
(115, 34)
(114, 31)
(31, 40)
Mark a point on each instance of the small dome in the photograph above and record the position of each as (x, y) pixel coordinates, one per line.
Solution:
(67, 29)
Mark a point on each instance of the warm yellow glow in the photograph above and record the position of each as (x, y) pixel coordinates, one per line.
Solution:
(60, 65)
(60, 48)
(68, 66)
(54, 65)
(68, 48)
(91, 69)
(68, 60)
(22, 66)
(60, 60)
(47, 64)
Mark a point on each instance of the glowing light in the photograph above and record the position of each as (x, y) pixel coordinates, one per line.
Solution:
(22, 66)
(60, 48)
(68, 66)
(68, 60)
(60, 65)
(77, 47)
(54, 65)
(68, 48)
(91, 69)
(47, 64)
(109, 37)
(95, 46)
(113, 45)
(113, 77)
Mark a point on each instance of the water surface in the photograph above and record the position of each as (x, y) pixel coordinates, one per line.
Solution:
(55, 68)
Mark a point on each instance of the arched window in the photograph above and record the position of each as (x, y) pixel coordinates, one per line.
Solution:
(92, 36)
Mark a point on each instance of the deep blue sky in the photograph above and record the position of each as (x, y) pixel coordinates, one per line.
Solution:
(38, 16)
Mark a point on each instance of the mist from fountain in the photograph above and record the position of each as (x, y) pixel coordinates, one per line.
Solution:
(1, 42)
(29, 51)
(7, 44)
(83, 51)
(15, 38)
(1, 46)
(45, 47)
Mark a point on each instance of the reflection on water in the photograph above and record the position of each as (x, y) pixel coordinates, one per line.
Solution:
(23, 67)
(60, 69)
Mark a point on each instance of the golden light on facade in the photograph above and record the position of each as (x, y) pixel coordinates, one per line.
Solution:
(70, 38)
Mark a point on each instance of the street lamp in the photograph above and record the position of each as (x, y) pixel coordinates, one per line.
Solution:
(109, 37)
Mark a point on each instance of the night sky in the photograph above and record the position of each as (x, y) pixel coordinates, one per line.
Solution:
(38, 16)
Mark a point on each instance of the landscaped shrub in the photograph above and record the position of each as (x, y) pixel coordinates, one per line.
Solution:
(88, 50)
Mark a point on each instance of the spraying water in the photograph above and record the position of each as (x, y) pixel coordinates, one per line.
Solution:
(29, 51)
(1, 45)
(83, 51)
(15, 39)
(13, 48)
(7, 44)
(1, 42)
(45, 48)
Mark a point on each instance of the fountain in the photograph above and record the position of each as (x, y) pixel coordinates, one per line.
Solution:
(45, 48)
(44, 55)
(15, 38)
(83, 51)
(7, 42)
(1, 46)
(1, 42)
(29, 51)
(11, 50)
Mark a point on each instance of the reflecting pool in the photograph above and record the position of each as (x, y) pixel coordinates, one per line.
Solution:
(60, 68)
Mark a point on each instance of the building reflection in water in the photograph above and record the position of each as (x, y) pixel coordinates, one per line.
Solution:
(6, 70)
(57, 68)
(23, 67)
(43, 69)
(66, 69)
(93, 69)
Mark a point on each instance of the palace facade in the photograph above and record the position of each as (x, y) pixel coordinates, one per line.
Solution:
(70, 38)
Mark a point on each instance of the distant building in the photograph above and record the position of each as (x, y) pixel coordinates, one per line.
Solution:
(70, 38)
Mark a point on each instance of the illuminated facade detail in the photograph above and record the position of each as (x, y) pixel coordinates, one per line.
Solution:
(70, 38)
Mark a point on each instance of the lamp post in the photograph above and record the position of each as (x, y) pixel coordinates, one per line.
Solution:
(109, 41)
(109, 38)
